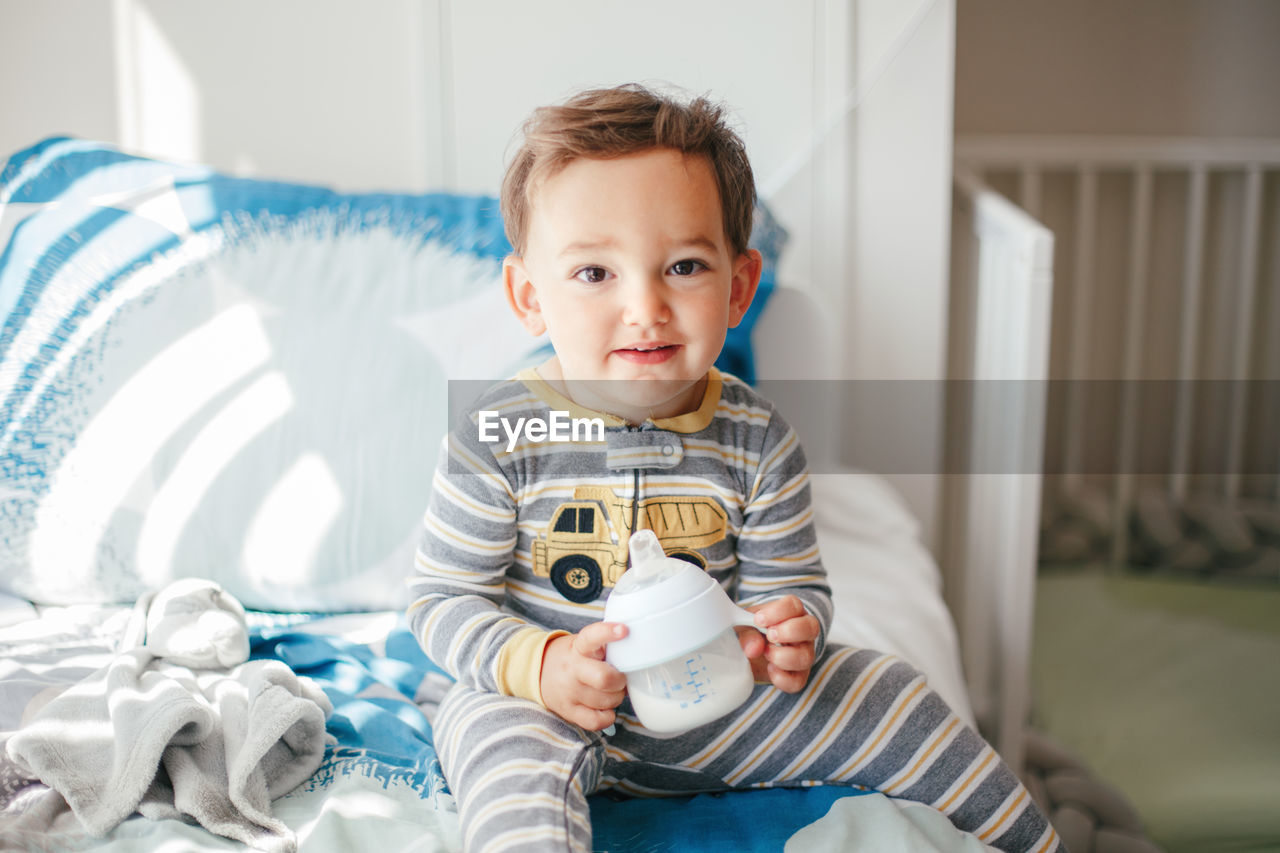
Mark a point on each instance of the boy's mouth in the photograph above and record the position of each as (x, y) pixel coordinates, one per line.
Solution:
(647, 353)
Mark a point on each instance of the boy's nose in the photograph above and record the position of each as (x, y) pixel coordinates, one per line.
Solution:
(645, 303)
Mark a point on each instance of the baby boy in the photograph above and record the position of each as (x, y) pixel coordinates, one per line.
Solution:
(629, 214)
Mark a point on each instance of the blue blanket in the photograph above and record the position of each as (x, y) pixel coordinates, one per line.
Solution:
(383, 732)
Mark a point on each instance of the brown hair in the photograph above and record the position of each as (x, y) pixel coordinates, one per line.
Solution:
(628, 119)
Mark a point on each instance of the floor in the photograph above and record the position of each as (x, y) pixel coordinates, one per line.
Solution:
(1170, 691)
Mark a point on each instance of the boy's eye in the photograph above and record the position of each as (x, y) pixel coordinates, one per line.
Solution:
(687, 267)
(591, 275)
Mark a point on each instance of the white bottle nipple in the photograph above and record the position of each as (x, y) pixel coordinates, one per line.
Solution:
(645, 548)
(650, 565)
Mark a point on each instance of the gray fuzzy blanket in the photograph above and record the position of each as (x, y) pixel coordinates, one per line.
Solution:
(145, 735)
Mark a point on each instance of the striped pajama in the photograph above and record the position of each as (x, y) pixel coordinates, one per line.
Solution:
(526, 536)
(521, 774)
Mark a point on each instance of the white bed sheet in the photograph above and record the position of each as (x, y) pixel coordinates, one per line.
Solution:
(885, 583)
(887, 593)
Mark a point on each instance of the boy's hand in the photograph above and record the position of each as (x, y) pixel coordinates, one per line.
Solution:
(577, 683)
(785, 652)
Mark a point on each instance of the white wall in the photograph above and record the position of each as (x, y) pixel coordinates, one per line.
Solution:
(400, 94)
(310, 90)
(410, 95)
(901, 154)
(55, 72)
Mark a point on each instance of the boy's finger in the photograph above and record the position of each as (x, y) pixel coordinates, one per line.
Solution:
(591, 719)
(787, 682)
(752, 642)
(600, 700)
(801, 629)
(591, 640)
(791, 658)
(601, 676)
(760, 671)
(773, 612)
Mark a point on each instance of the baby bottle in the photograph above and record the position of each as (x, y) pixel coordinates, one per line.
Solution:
(681, 656)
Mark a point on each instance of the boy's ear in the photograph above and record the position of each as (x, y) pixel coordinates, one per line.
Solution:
(521, 295)
(746, 278)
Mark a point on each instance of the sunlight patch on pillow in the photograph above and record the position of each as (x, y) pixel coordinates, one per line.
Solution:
(264, 412)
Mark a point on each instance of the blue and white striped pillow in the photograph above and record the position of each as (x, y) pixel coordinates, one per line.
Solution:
(237, 379)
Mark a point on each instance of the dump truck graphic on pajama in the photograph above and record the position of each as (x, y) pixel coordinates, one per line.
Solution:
(584, 548)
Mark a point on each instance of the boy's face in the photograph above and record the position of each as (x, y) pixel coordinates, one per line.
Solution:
(628, 270)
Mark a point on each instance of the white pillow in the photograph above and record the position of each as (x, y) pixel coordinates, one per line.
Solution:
(263, 421)
(238, 380)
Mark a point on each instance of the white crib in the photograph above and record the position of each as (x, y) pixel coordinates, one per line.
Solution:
(1001, 291)
(1167, 267)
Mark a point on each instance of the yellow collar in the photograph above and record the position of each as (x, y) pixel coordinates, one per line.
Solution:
(689, 422)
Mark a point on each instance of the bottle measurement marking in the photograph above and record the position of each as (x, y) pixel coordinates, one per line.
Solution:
(693, 669)
(680, 691)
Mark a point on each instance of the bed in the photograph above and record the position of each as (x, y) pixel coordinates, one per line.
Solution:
(244, 381)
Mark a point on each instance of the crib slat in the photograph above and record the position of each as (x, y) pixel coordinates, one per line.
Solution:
(1029, 190)
(1188, 340)
(1135, 326)
(1243, 330)
(1078, 348)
